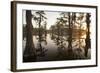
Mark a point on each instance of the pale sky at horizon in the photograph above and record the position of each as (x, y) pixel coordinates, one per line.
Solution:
(50, 15)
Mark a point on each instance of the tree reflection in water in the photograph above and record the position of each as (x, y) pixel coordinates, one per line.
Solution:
(63, 41)
(40, 49)
(63, 50)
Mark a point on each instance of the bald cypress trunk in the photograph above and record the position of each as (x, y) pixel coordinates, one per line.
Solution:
(70, 34)
(87, 40)
(30, 52)
(70, 52)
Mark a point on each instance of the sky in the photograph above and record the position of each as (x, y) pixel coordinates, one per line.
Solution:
(51, 18)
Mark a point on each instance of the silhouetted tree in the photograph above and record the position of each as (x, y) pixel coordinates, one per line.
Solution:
(70, 33)
(87, 40)
(45, 28)
(40, 19)
(71, 19)
(30, 52)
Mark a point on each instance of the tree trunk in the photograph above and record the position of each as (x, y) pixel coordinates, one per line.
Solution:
(87, 40)
(70, 34)
(70, 52)
(30, 52)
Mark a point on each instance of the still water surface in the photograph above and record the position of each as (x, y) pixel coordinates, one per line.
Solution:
(53, 47)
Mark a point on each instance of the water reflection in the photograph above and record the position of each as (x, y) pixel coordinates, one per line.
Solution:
(54, 47)
(67, 39)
